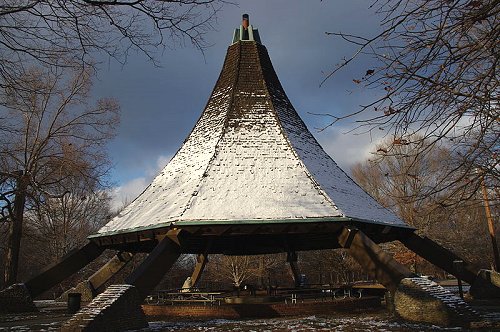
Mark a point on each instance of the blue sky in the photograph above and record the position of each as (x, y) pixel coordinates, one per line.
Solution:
(161, 105)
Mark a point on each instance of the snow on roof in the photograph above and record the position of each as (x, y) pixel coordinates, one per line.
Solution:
(249, 157)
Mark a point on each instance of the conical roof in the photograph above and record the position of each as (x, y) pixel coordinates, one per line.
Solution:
(249, 159)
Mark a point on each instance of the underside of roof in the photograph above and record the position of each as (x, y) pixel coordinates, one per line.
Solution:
(249, 157)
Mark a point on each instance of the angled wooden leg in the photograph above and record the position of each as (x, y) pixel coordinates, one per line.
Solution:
(19, 297)
(119, 306)
(482, 282)
(372, 258)
(201, 261)
(68, 265)
(439, 256)
(414, 298)
(89, 288)
(147, 275)
(112, 267)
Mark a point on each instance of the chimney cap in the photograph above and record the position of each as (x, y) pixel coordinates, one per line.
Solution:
(246, 32)
(245, 22)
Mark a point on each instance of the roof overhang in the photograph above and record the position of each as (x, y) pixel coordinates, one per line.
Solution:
(258, 234)
(211, 223)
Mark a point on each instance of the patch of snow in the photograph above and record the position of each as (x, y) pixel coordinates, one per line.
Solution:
(379, 323)
(349, 197)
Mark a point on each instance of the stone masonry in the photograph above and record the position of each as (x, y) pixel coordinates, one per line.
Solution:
(486, 285)
(84, 288)
(15, 299)
(118, 308)
(422, 300)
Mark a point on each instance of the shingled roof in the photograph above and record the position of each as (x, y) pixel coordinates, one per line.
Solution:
(249, 159)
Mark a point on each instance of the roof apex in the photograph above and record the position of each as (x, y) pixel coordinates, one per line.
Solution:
(246, 32)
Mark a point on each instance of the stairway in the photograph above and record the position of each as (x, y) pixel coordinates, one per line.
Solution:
(421, 299)
(118, 308)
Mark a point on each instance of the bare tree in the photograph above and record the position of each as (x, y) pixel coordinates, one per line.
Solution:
(437, 74)
(66, 33)
(63, 223)
(48, 133)
(241, 269)
(238, 268)
(403, 180)
(330, 266)
(54, 141)
(55, 225)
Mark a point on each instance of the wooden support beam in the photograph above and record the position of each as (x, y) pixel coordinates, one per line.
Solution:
(147, 275)
(373, 259)
(491, 225)
(69, 264)
(89, 288)
(112, 267)
(439, 256)
(201, 261)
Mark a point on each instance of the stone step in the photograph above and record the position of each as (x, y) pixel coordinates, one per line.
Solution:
(421, 299)
(117, 308)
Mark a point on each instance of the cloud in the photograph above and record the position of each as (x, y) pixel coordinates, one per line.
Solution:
(347, 148)
(124, 194)
(127, 192)
(161, 162)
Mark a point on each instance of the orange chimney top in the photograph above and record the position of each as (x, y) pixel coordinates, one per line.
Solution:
(245, 21)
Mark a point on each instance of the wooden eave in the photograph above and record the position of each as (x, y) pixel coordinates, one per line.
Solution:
(195, 234)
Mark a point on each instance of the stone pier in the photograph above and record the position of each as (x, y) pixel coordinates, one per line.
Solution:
(118, 308)
(422, 300)
(16, 299)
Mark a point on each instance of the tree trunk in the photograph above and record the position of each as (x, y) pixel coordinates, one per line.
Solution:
(15, 233)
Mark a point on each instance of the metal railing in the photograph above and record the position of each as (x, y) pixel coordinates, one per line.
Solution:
(180, 296)
(288, 295)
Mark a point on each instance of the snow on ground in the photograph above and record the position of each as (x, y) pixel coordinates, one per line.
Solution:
(350, 323)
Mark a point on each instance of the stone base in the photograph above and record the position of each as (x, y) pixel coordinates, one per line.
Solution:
(16, 299)
(118, 308)
(486, 285)
(422, 300)
(84, 288)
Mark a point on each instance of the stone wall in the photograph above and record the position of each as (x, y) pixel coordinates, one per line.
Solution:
(118, 308)
(84, 288)
(422, 300)
(16, 299)
(486, 285)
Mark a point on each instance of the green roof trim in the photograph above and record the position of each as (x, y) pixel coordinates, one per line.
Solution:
(131, 230)
(250, 34)
(259, 221)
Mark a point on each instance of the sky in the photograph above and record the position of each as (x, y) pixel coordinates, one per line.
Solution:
(160, 105)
